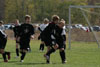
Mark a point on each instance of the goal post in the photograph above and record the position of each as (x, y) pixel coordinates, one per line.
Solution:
(86, 19)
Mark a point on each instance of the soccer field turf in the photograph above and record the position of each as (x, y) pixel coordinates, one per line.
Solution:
(81, 55)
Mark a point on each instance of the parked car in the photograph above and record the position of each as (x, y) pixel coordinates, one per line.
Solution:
(67, 26)
(96, 28)
(78, 26)
(8, 26)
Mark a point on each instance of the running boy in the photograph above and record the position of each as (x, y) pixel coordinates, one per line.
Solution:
(25, 34)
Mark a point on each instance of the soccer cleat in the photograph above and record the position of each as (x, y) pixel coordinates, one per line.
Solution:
(41, 50)
(21, 60)
(29, 50)
(48, 62)
(47, 59)
(9, 57)
(63, 62)
(16, 56)
(46, 56)
(5, 60)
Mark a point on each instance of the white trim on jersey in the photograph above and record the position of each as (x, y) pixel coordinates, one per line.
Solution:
(63, 32)
(2, 28)
(43, 26)
(3, 33)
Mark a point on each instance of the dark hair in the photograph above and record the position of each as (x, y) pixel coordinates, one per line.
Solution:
(27, 17)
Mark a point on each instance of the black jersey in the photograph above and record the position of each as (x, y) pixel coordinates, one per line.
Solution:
(16, 30)
(46, 34)
(26, 30)
(59, 34)
(3, 39)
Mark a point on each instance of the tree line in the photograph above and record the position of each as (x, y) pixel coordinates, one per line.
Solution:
(40, 9)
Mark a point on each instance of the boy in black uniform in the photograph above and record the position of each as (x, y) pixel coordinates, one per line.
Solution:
(3, 41)
(59, 38)
(16, 32)
(26, 33)
(46, 34)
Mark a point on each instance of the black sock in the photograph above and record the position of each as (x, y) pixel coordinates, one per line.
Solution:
(62, 54)
(17, 51)
(50, 51)
(42, 48)
(4, 56)
(23, 55)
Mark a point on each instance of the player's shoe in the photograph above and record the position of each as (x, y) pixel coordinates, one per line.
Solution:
(63, 62)
(21, 60)
(5, 60)
(16, 56)
(9, 57)
(41, 50)
(29, 50)
(48, 62)
(47, 59)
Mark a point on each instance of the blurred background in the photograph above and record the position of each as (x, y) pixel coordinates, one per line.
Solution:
(38, 9)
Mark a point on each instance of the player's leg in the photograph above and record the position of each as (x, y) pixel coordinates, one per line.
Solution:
(62, 55)
(23, 54)
(17, 50)
(24, 45)
(47, 44)
(17, 47)
(29, 48)
(3, 55)
(28, 45)
(42, 46)
(53, 49)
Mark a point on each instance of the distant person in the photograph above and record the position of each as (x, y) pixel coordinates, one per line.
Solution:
(26, 32)
(16, 33)
(41, 28)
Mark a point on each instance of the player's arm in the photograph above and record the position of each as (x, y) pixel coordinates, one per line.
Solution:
(39, 29)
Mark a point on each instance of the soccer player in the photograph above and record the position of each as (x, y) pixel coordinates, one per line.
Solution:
(46, 34)
(41, 28)
(3, 41)
(59, 37)
(16, 32)
(25, 34)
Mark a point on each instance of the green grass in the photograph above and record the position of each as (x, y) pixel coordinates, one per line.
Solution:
(81, 55)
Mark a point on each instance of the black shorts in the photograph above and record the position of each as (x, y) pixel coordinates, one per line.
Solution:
(3, 42)
(40, 38)
(48, 42)
(24, 44)
(61, 44)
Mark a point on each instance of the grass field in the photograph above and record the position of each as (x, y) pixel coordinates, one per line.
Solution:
(81, 55)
